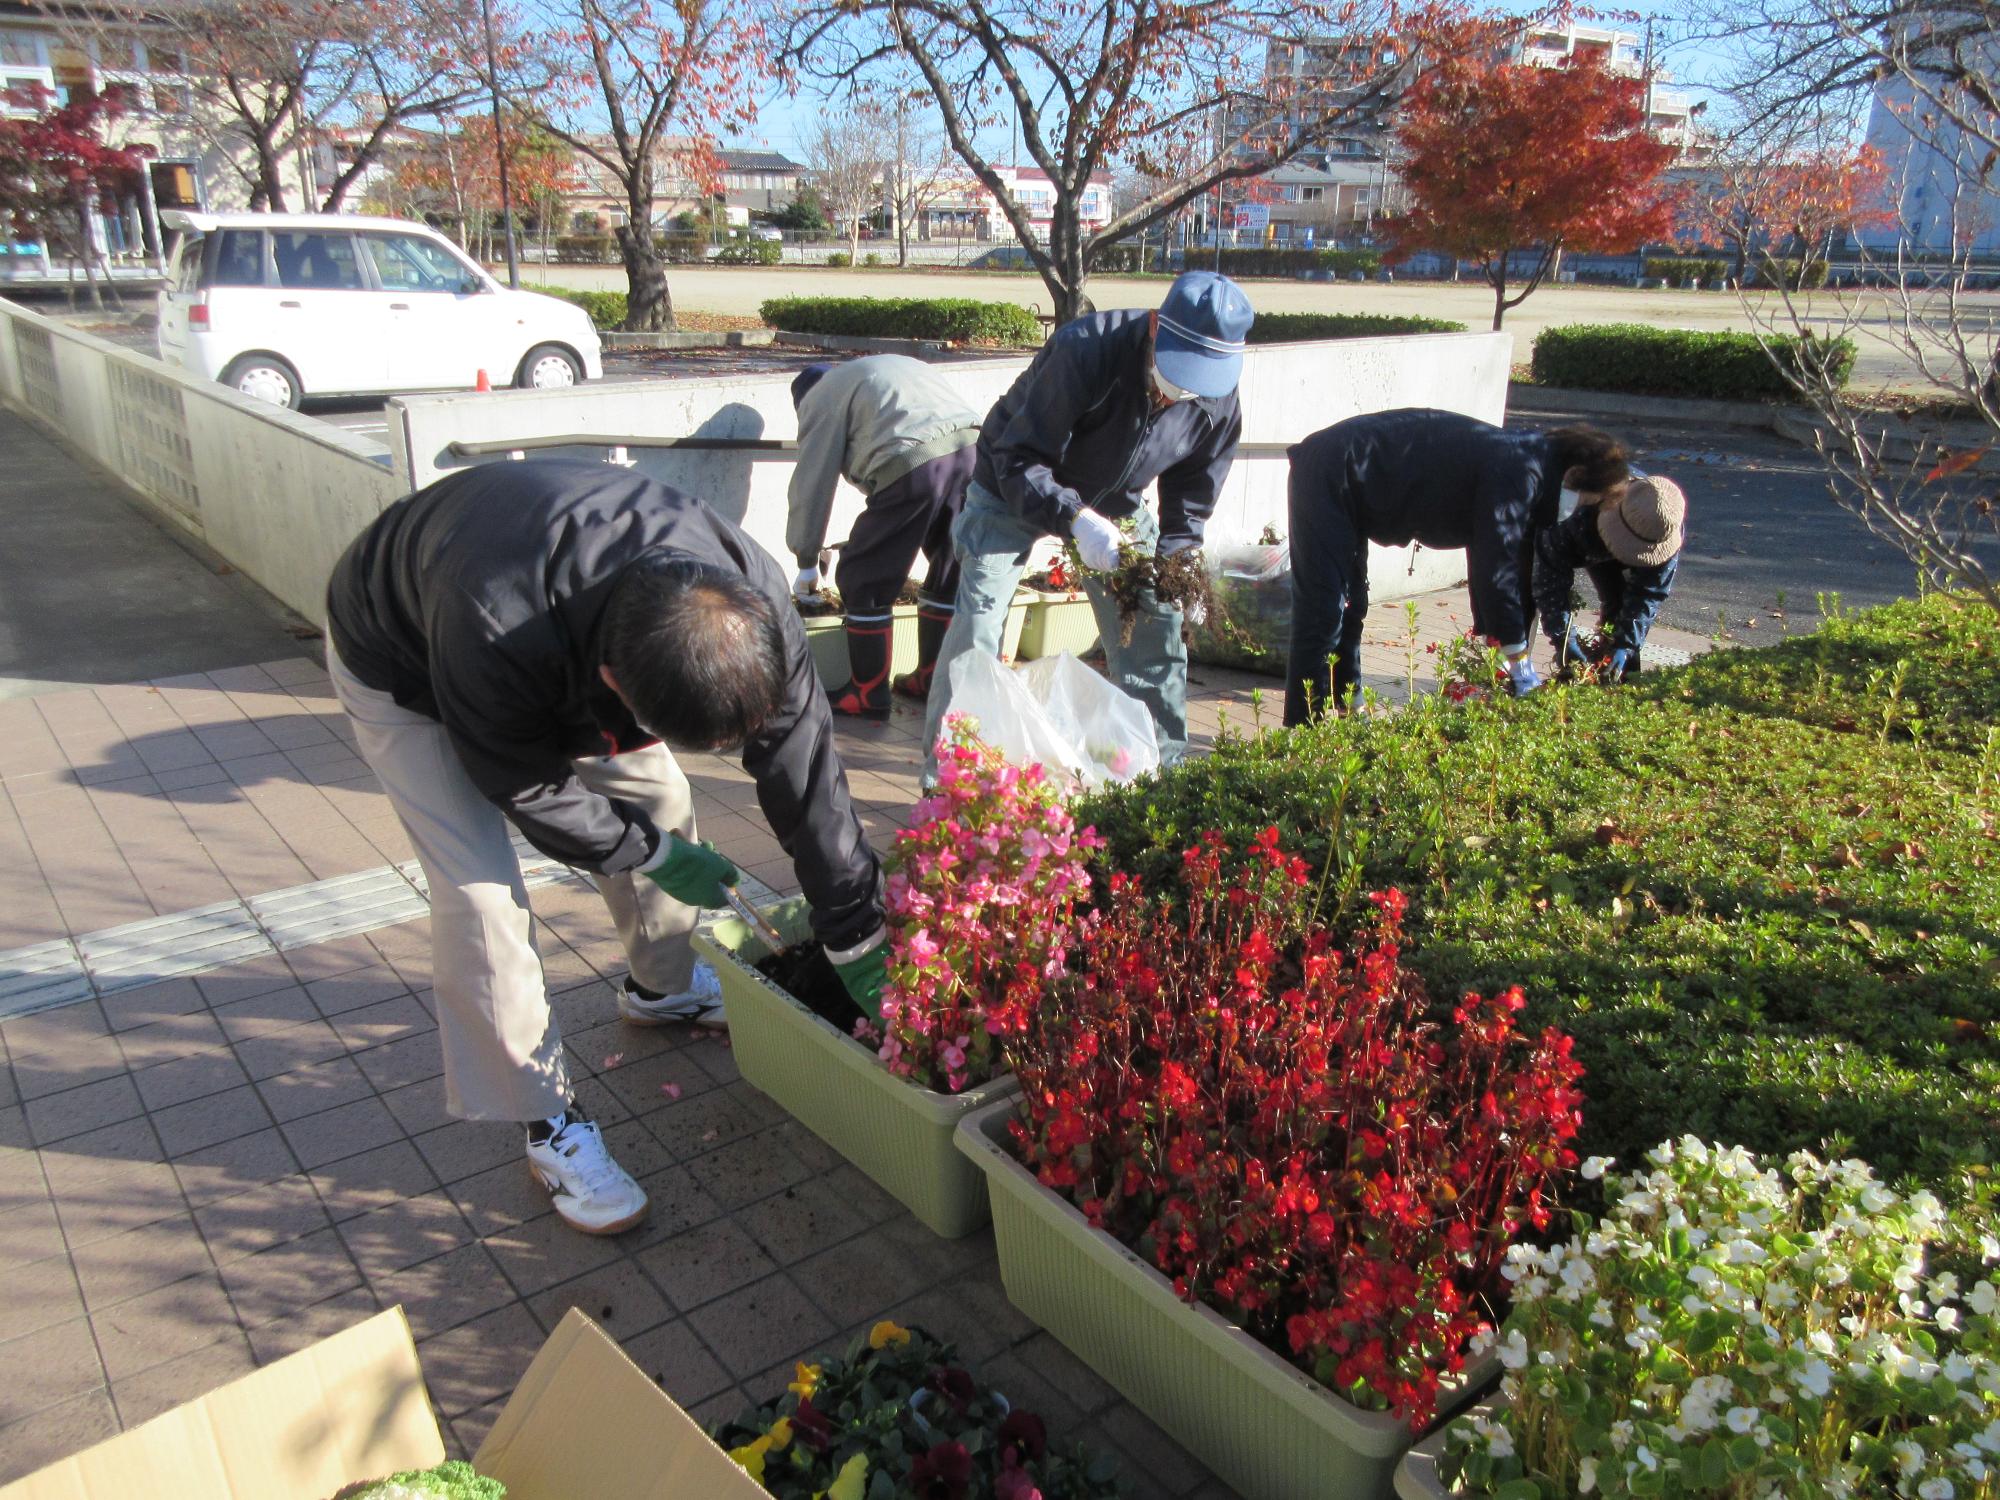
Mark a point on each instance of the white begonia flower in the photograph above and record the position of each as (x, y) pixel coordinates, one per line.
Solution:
(1500, 1442)
(1989, 1440)
(1741, 1418)
(1943, 1287)
(1586, 1474)
(1514, 1350)
(1958, 1369)
(1989, 1249)
(1909, 1456)
(1594, 1167)
(1601, 1315)
(1621, 1435)
(1646, 1457)
(1983, 1299)
(1815, 1378)
(1938, 1488)
(1947, 1319)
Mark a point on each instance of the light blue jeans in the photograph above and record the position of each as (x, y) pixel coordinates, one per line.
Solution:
(992, 544)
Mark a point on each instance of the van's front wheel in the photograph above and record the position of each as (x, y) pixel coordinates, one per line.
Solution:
(549, 367)
(264, 377)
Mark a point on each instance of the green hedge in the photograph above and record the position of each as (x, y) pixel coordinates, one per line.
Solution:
(1673, 362)
(750, 253)
(955, 319)
(606, 309)
(1757, 930)
(1678, 269)
(1274, 260)
(1292, 328)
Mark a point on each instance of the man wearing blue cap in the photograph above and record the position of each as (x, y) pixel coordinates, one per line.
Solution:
(1112, 402)
(898, 432)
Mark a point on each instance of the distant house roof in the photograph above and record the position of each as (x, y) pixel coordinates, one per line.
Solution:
(758, 161)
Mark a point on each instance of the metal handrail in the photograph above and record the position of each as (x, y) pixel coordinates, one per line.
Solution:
(769, 448)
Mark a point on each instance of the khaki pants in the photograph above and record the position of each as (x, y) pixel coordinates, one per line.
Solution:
(503, 1055)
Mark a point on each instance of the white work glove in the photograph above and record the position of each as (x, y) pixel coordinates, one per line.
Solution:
(1195, 613)
(1097, 541)
(806, 584)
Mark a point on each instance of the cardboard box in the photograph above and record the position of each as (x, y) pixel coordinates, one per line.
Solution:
(585, 1423)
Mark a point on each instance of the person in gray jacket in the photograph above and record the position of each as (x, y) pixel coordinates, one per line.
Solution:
(894, 429)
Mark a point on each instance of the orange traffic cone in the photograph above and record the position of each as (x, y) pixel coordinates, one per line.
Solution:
(483, 383)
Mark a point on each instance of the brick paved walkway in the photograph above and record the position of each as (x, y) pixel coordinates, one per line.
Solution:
(205, 1172)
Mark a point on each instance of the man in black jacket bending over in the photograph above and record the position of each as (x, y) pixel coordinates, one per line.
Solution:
(1446, 481)
(513, 644)
(1112, 402)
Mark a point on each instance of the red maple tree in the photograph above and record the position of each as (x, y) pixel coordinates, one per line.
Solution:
(1789, 204)
(1506, 158)
(56, 168)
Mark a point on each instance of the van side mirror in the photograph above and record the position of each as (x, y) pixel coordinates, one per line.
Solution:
(470, 286)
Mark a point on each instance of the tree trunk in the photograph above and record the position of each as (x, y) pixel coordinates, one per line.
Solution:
(648, 306)
(1497, 278)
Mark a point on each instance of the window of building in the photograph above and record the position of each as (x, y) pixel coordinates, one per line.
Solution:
(164, 59)
(171, 99)
(119, 54)
(314, 260)
(21, 48)
(1311, 194)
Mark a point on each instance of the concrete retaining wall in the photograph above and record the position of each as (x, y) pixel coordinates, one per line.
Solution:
(1289, 390)
(277, 494)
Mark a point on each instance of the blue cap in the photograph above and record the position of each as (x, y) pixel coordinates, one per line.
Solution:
(1202, 324)
(809, 377)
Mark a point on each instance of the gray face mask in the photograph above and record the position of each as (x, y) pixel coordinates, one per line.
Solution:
(1568, 501)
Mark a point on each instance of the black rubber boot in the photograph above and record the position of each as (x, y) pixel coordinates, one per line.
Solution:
(866, 695)
(933, 620)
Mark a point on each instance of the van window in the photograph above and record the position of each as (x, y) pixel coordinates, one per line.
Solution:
(315, 260)
(187, 264)
(411, 263)
(239, 258)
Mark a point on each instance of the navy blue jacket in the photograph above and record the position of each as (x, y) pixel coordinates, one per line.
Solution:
(1629, 599)
(1446, 481)
(1078, 429)
(479, 601)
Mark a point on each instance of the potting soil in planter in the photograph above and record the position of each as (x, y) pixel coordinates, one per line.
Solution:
(804, 972)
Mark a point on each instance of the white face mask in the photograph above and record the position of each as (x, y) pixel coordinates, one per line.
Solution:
(1172, 394)
(1568, 501)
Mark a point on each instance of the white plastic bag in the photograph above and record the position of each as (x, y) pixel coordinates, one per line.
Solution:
(1059, 714)
(1252, 585)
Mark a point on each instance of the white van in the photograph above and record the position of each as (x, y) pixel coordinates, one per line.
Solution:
(283, 306)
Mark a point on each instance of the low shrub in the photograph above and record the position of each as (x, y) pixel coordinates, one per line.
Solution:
(1677, 269)
(681, 249)
(1279, 260)
(872, 258)
(1759, 929)
(750, 253)
(840, 258)
(586, 249)
(955, 319)
(1674, 362)
(1291, 328)
(1798, 276)
(606, 309)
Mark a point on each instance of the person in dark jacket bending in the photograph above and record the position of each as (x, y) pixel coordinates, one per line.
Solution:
(1445, 481)
(1631, 549)
(513, 644)
(1113, 401)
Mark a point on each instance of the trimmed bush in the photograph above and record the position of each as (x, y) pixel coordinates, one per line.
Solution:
(586, 249)
(606, 309)
(954, 319)
(840, 258)
(1809, 277)
(1292, 328)
(750, 253)
(1674, 362)
(1678, 269)
(1759, 890)
(1276, 260)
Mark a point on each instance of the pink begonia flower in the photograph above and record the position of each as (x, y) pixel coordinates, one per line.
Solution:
(1121, 761)
(671, 1090)
(918, 946)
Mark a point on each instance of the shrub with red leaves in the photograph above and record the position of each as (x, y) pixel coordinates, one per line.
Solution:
(1284, 1131)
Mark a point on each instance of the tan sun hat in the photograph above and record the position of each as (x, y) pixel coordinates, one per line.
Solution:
(1645, 528)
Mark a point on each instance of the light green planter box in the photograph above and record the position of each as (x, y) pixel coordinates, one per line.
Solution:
(1057, 623)
(1269, 1430)
(899, 1134)
(826, 636)
(1417, 1475)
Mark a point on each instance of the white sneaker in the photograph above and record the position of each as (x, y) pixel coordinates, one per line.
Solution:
(700, 1004)
(590, 1190)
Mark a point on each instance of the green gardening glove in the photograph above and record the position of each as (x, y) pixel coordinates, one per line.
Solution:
(865, 973)
(693, 874)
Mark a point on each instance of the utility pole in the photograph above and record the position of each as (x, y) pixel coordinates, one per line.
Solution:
(500, 146)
